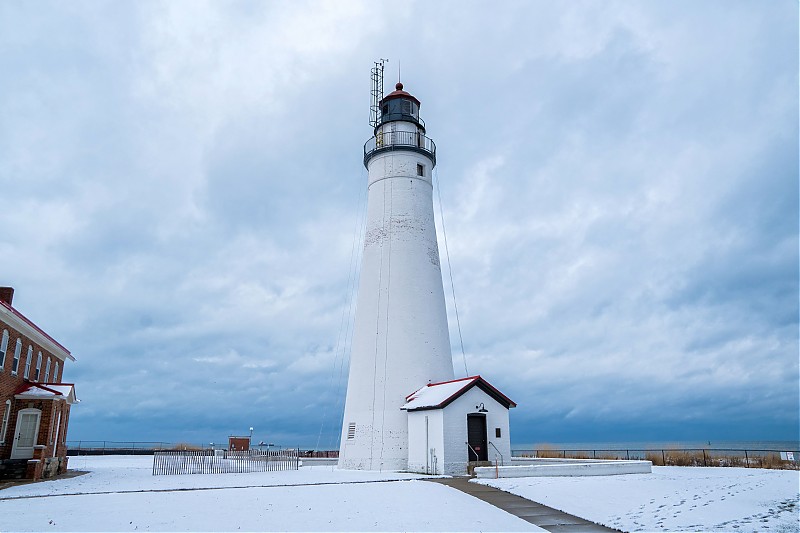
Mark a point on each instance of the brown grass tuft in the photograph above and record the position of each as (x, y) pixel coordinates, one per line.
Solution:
(186, 446)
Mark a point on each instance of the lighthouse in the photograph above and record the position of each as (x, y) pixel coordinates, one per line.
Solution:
(401, 340)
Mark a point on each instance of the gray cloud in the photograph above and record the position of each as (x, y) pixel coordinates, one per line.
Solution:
(619, 183)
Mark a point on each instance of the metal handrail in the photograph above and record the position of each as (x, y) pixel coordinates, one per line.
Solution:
(502, 460)
(477, 457)
(406, 140)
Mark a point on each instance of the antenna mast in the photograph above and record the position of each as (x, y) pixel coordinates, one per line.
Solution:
(376, 92)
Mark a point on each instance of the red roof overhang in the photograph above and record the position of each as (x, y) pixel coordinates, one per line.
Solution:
(35, 327)
(28, 386)
(477, 381)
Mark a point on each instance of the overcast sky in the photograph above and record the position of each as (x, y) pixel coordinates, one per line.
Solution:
(182, 184)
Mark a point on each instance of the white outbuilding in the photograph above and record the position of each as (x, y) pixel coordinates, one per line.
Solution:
(454, 423)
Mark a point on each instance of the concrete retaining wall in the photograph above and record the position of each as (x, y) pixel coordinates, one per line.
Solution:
(567, 467)
(319, 461)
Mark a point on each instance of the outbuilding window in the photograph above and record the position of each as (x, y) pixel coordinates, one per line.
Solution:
(47, 371)
(55, 374)
(38, 367)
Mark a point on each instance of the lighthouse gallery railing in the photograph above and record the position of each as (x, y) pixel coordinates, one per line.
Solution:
(406, 140)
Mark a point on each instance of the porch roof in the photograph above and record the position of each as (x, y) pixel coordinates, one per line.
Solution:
(47, 391)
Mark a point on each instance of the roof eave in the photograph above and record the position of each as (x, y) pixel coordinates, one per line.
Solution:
(426, 408)
(25, 324)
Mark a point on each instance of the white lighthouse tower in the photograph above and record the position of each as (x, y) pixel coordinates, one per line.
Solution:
(400, 341)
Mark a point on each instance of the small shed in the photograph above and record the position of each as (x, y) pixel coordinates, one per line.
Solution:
(454, 423)
(238, 444)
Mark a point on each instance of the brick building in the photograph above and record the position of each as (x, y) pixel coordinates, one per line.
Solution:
(34, 403)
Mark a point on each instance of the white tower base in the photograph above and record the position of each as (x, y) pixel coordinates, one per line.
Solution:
(400, 340)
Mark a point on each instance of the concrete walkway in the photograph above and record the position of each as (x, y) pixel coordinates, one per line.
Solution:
(535, 513)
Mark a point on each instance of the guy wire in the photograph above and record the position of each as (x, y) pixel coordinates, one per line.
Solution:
(450, 270)
(343, 326)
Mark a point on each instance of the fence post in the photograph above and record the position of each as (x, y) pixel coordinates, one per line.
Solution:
(704, 458)
(663, 458)
(627, 455)
(746, 460)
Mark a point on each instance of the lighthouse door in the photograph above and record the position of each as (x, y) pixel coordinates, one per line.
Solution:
(476, 437)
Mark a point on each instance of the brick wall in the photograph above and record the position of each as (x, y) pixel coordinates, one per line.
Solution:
(10, 382)
(52, 436)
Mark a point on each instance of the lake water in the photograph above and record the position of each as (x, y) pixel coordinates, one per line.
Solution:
(776, 445)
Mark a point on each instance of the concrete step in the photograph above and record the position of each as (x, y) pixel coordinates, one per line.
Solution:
(537, 514)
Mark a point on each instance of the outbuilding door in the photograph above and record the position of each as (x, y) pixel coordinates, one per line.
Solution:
(26, 433)
(476, 437)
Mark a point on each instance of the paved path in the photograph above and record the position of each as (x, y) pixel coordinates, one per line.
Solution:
(535, 513)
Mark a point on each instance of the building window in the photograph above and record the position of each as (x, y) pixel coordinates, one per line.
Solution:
(17, 352)
(497, 433)
(28, 358)
(351, 431)
(420, 170)
(38, 367)
(6, 416)
(3, 349)
(28, 361)
(47, 371)
(55, 374)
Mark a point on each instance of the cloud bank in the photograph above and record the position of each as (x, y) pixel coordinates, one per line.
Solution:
(182, 184)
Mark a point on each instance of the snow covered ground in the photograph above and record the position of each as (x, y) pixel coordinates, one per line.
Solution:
(120, 494)
(673, 498)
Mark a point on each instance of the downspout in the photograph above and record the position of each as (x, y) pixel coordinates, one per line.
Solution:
(427, 448)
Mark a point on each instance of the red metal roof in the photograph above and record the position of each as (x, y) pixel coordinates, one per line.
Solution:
(28, 386)
(52, 388)
(399, 93)
(469, 382)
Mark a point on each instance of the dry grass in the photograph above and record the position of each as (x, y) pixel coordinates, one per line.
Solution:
(698, 458)
(675, 457)
(774, 461)
(186, 446)
(545, 451)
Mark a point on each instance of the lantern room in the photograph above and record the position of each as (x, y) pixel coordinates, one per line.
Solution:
(400, 105)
